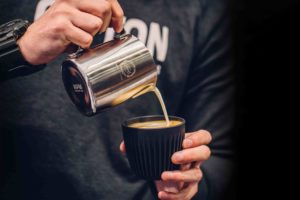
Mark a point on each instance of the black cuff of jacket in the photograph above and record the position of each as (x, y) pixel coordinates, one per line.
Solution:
(13, 64)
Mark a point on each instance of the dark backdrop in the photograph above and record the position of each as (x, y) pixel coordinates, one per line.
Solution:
(266, 36)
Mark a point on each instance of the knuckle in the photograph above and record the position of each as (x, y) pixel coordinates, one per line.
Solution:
(208, 152)
(106, 7)
(198, 175)
(64, 12)
(119, 13)
(86, 41)
(60, 25)
(63, 9)
(207, 135)
(96, 24)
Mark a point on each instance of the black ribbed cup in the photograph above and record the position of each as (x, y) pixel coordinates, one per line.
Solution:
(149, 151)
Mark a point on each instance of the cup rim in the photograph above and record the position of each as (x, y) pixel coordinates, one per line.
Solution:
(134, 119)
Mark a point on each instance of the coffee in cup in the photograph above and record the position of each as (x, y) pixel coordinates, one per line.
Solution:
(155, 124)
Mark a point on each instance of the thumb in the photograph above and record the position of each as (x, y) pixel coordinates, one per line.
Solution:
(167, 186)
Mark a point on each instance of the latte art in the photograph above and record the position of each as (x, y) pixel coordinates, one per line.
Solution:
(155, 124)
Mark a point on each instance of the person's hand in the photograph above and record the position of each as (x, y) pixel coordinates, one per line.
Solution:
(190, 158)
(66, 22)
(183, 184)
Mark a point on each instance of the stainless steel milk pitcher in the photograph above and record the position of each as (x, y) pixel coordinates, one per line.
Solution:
(109, 74)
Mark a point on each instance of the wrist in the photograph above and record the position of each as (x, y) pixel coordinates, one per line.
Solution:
(27, 52)
(15, 56)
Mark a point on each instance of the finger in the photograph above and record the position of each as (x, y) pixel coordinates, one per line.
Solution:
(199, 153)
(117, 16)
(99, 8)
(191, 175)
(78, 36)
(185, 194)
(106, 22)
(122, 147)
(197, 138)
(87, 22)
(107, 16)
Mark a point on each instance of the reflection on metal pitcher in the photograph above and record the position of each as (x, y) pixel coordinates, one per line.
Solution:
(109, 74)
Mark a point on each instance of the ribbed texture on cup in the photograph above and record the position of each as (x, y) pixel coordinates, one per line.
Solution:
(150, 154)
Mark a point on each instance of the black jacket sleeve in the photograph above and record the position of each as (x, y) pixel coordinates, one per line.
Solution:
(209, 97)
(13, 64)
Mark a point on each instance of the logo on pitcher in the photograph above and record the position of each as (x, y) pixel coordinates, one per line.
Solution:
(77, 88)
(127, 69)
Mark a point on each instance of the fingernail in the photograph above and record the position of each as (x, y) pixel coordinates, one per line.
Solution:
(178, 156)
(187, 143)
